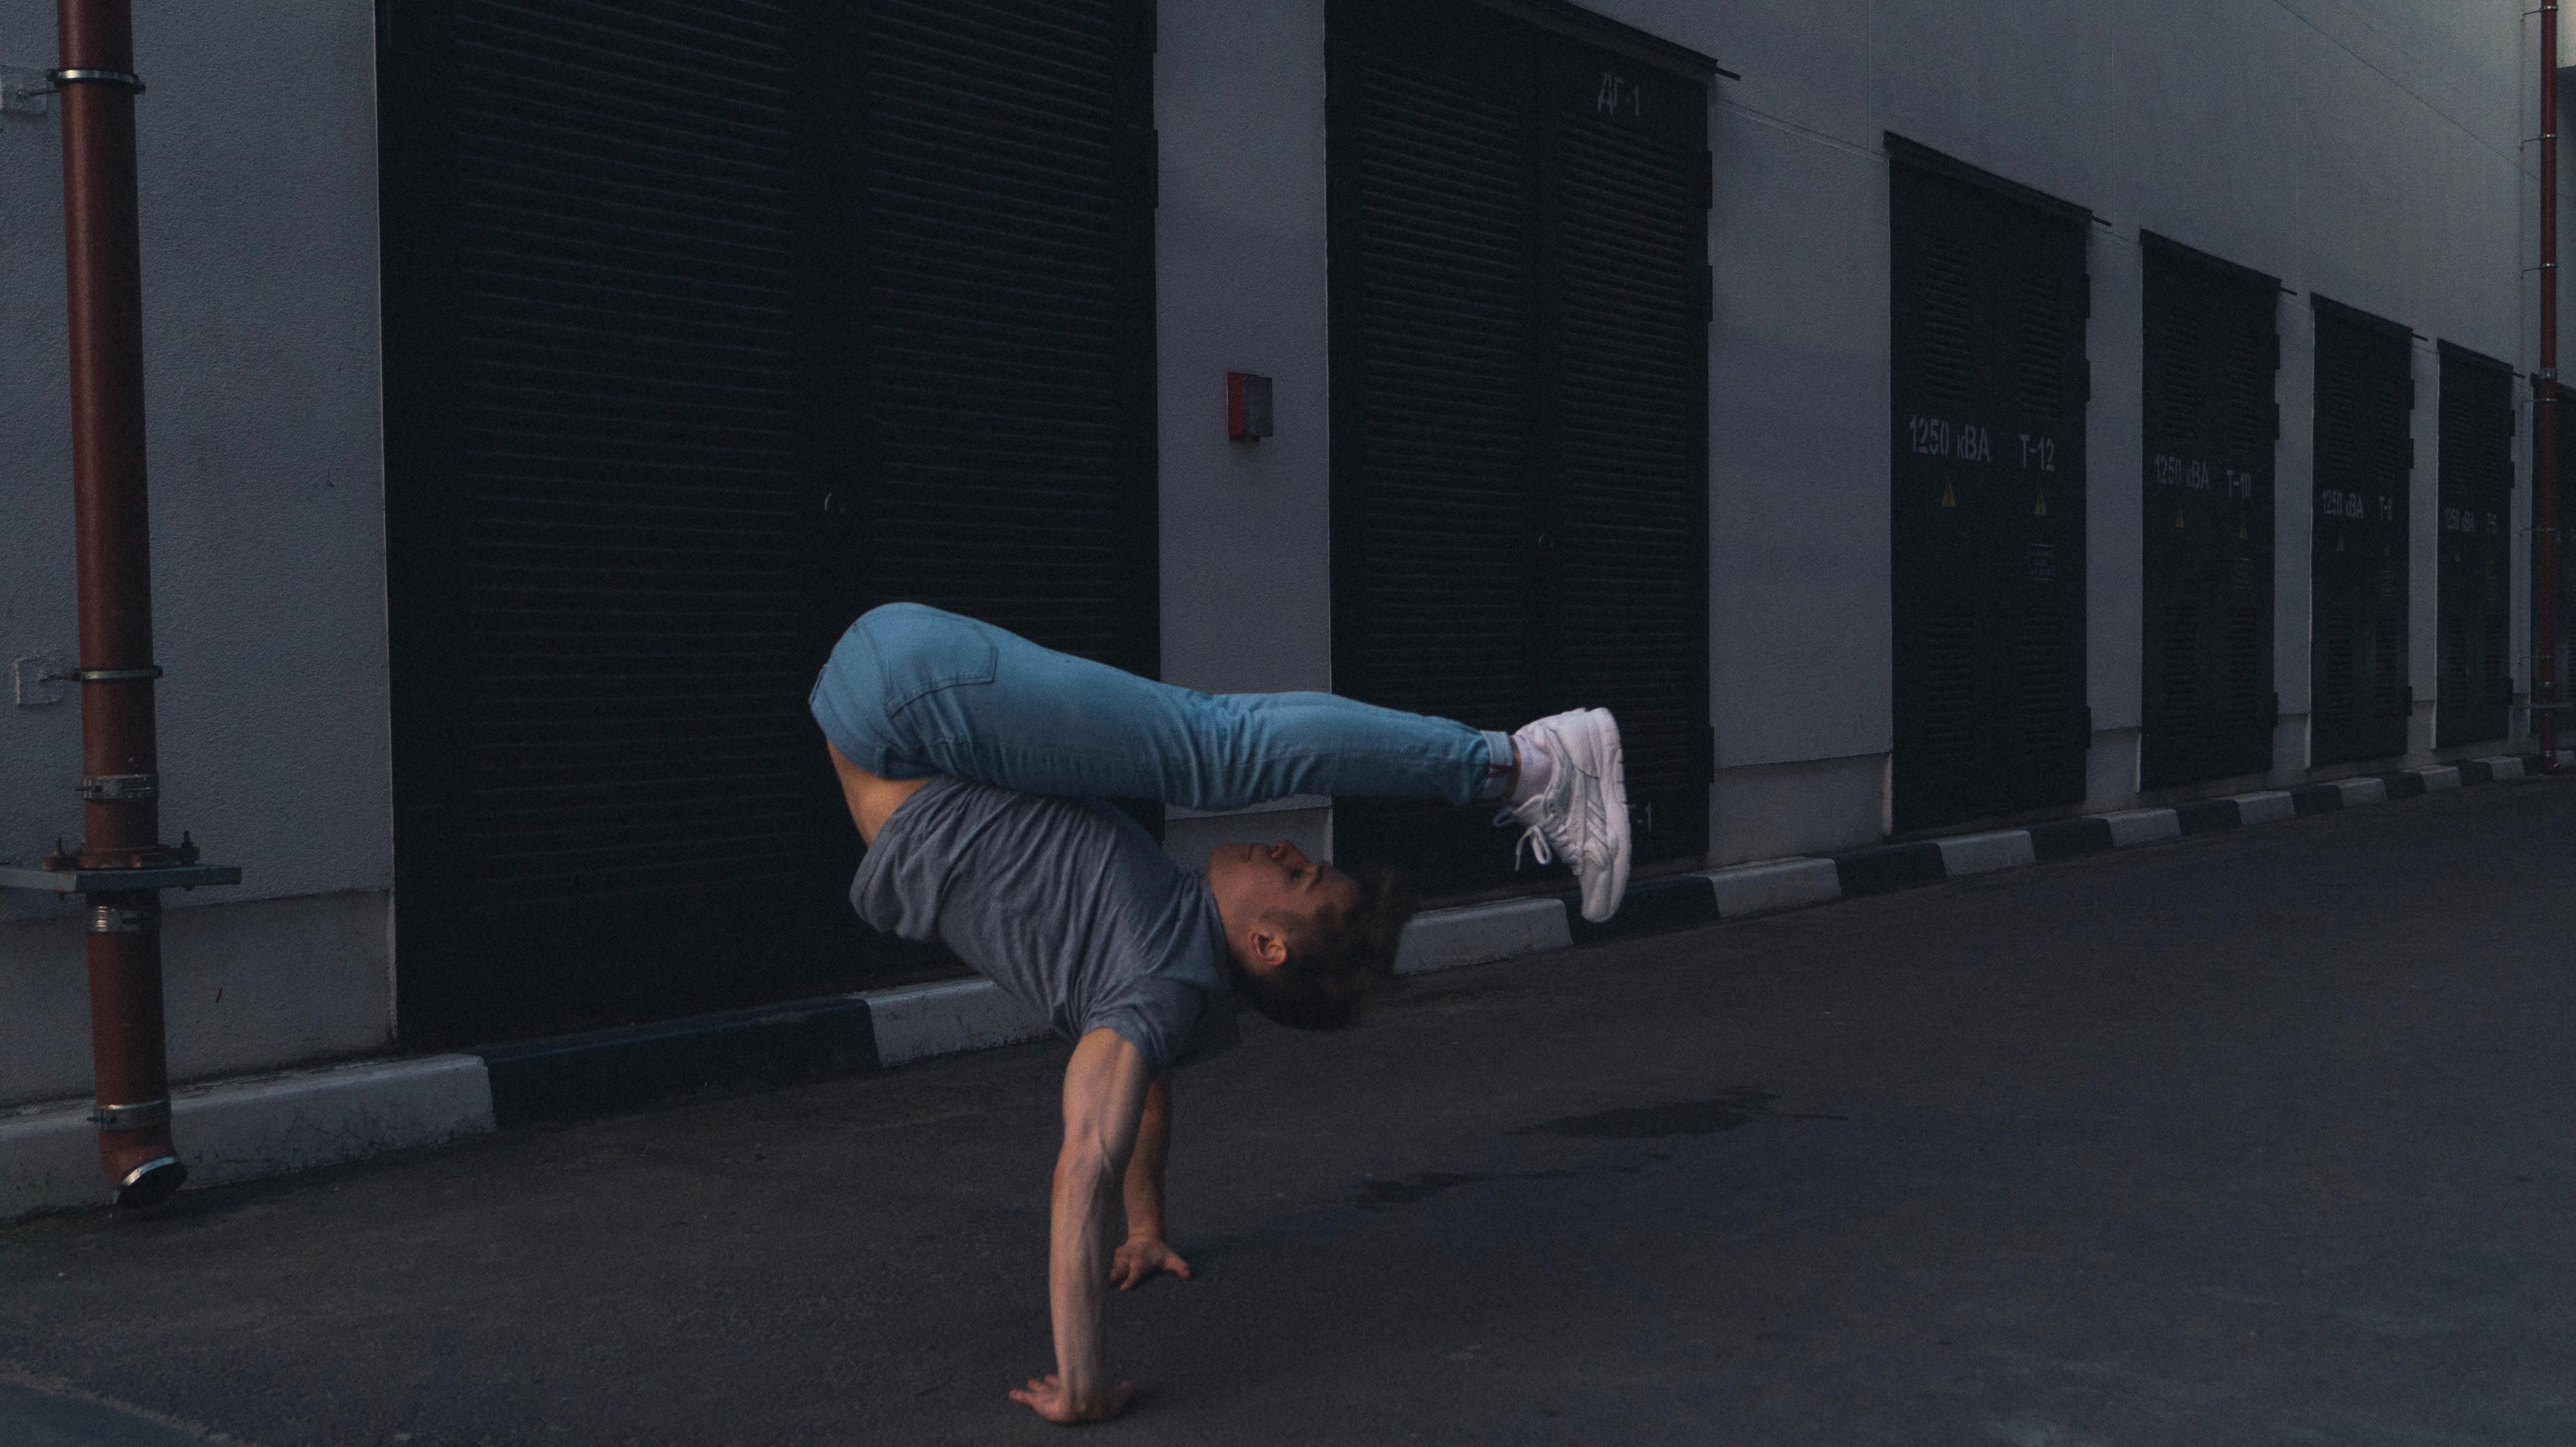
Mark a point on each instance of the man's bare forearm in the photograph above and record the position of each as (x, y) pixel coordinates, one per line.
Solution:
(1145, 1168)
(1104, 1094)
(1086, 1182)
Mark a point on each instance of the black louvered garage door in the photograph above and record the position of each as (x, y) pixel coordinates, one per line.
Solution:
(1989, 301)
(2475, 583)
(1004, 158)
(2566, 410)
(707, 326)
(2365, 455)
(1520, 501)
(2210, 426)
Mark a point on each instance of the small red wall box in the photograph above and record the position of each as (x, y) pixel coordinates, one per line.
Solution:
(1247, 405)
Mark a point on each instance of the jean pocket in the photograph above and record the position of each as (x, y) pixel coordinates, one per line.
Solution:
(920, 651)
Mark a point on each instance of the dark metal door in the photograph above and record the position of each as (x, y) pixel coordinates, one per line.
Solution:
(2566, 526)
(708, 325)
(2365, 456)
(1519, 290)
(2210, 426)
(993, 399)
(1989, 301)
(2475, 582)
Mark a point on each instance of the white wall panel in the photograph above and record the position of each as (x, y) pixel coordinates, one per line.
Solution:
(261, 380)
(1798, 448)
(1240, 286)
(257, 154)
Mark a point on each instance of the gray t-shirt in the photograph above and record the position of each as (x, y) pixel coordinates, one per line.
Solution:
(1066, 904)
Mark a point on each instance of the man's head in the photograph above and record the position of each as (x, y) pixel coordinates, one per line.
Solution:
(1311, 942)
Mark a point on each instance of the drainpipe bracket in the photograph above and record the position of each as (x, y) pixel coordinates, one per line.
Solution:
(143, 918)
(137, 856)
(125, 78)
(120, 788)
(111, 881)
(143, 1115)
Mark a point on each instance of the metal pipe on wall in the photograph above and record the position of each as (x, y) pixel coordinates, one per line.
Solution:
(120, 783)
(2544, 418)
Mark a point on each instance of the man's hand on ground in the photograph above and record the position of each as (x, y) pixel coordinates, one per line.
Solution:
(1047, 1397)
(1137, 1261)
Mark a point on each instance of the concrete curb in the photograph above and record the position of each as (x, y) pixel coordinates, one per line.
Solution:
(239, 1130)
(1445, 939)
(946, 1018)
(1749, 889)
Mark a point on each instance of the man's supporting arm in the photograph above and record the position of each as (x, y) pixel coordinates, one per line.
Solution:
(1149, 1247)
(1104, 1095)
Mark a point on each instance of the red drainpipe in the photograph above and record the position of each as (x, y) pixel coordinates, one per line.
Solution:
(121, 865)
(2544, 418)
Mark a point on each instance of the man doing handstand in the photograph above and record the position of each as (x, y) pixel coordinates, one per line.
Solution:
(974, 762)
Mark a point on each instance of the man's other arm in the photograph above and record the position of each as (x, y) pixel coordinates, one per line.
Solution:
(1149, 1246)
(1104, 1097)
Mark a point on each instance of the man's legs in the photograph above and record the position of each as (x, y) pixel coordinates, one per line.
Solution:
(912, 691)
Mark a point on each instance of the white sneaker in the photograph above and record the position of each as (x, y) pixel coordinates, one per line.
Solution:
(1582, 815)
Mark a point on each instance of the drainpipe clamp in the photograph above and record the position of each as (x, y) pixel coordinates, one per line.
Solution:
(142, 1115)
(120, 788)
(144, 674)
(125, 78)
(125, 919)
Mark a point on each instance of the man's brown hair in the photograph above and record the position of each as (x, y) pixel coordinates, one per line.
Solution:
(1340, 959)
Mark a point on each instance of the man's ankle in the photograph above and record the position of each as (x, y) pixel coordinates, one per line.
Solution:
(1532, 770)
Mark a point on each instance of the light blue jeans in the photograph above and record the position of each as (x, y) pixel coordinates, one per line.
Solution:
(912, 691)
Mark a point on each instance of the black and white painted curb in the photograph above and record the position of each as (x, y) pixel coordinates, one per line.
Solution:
(244, 1129)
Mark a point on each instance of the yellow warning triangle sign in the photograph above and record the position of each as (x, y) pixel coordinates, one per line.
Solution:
(1949, 495)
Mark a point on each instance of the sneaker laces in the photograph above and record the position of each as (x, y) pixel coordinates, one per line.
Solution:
(1531, 839)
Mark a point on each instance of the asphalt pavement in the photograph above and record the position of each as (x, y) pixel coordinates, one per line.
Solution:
(2261, 1136)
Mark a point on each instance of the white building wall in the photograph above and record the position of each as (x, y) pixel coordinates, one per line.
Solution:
(1798, 483)
(1240, 287)
(258, 163)
(2294, 523)
(2370, 150)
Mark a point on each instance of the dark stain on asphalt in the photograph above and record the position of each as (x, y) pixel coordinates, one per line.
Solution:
(1385, 1195)
(1725, 1111)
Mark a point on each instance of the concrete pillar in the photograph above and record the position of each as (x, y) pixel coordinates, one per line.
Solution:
(2294, 536)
